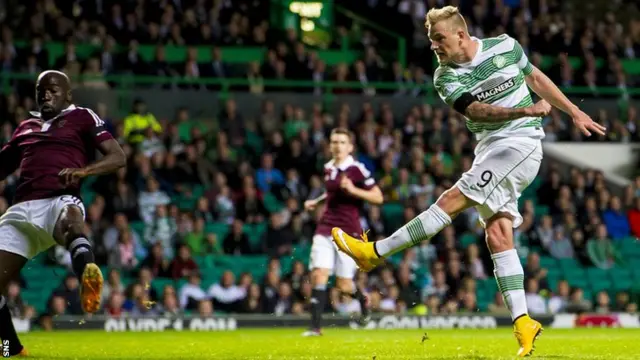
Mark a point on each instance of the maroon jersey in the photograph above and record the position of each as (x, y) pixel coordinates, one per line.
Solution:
(342, 209)
(41, 149)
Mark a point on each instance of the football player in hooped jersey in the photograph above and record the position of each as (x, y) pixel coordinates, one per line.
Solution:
(348, 185)
(53, 150)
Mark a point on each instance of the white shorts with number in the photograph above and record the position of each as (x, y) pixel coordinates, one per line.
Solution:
(325, 255)
(27, 228)
(499, 174)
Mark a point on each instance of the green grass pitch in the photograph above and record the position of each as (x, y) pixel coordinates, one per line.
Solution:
(336, 344)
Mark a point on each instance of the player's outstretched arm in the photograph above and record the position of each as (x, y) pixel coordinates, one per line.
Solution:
(114, 158)
(486, 113)
(546, 89)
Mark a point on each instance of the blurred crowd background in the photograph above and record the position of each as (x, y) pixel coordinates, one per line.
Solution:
(207, 218)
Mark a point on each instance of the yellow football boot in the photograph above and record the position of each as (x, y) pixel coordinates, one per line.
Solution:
(526, 331)
(359, 250)
(91, 288)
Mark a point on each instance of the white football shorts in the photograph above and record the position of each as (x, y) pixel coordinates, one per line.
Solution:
(325, 255)
(501, 171)
(27, 228)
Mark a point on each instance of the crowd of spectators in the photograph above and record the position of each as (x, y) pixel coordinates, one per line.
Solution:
(414, 163)
(225, 171)
(542, 27)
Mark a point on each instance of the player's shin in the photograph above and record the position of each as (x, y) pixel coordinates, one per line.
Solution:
(318, 301)
(81, 254)
(422, 227)
(7, 331)
(510, 277)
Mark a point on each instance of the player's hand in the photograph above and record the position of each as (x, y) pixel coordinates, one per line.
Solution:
(585, 124)
(310, 205)
(540, 109)
(346, 184)
(72, 176)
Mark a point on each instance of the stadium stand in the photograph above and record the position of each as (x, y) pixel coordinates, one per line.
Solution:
(210, 206)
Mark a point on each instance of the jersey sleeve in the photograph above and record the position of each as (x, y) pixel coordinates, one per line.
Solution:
(522, 60)
(94, 127)
(448, 85)
(362, 177)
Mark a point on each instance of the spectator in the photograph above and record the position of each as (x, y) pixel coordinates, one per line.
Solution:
(113, 284)
(183, 265)
(536, 304)
(191, 293)
(267, 176)
(634, 218)
(68, 291)
(162, 230)
(475, 264)
(196, 238)
(601, 250)
(159, 265)
(138, 121)
(560, 300)
(561, 247)
(603, 301)
(279, 238)
(237, 242)
(124, 256)
(616, 220)
(150, 199)
(226, 295)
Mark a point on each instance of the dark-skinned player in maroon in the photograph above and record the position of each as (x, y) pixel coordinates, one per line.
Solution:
(53, 151)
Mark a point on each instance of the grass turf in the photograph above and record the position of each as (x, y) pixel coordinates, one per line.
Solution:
(336, 344)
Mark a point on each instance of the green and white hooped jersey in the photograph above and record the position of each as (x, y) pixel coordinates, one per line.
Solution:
(495, 76)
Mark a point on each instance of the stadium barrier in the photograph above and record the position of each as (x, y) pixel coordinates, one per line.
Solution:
(244, 321)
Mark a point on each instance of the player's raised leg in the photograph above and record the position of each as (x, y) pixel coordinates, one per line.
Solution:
(69, 230)
(10, 266)
(439, 215)
(510, 277)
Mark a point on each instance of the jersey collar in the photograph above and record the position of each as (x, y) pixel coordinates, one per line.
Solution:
(38, 115)
(475, 57)
(344, 165)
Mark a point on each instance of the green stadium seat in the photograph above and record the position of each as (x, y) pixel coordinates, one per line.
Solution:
(271, 203)
(600, 285)
(541, 210)
(392, 215)
(159, 284)
(568, 264)
(138, 227)
(467, 239)
(220, 229)
(548, 262)
(596, 274)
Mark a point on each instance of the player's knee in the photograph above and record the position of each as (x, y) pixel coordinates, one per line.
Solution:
(319, 276)
(499, 233)
(72, 223)
(344, 285)
(452, 201)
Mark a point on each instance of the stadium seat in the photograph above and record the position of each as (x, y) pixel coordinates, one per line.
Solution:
(220, 229)
(467, 239)
(138, 227)
(548, 262)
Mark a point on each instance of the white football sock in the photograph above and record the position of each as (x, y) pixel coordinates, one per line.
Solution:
(421, 228)
(510, 277)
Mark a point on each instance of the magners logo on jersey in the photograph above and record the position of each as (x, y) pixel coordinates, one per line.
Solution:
(483, 95)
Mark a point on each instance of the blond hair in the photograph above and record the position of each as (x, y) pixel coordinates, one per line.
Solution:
(444, 14)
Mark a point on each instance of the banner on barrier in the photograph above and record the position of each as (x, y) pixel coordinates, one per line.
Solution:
(244, 321)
